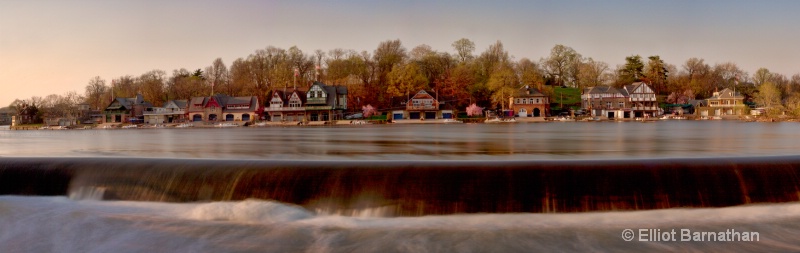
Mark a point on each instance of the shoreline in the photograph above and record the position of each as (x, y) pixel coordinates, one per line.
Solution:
(407, 121)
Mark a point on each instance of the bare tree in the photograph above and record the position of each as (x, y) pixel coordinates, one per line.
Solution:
(96, 92)
(464, 49)
(592, 73)
(761, 76)
(217, 77)
(152, 86)
(562, 64)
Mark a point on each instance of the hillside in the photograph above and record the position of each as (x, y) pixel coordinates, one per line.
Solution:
(569, 97)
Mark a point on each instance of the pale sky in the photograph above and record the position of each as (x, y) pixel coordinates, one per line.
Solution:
(52, 47)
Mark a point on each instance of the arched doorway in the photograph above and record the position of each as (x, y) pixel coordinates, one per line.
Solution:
(197, 117)
(245, 117)
(212, 117)
(523, 112)
(229, 117)
(537, 112)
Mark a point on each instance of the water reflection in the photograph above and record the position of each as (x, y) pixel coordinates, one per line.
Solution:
(607, 140)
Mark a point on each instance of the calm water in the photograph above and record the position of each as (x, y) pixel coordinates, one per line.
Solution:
(520, 141)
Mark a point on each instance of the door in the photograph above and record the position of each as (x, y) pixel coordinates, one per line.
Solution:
(229, 117)
(430, 115)
(523, 113)
(537, 112)
(245, 117)
(197, 117)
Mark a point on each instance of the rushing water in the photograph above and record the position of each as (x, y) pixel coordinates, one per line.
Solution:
(265, 189)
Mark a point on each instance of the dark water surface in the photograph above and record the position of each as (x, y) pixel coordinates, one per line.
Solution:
(520, 141)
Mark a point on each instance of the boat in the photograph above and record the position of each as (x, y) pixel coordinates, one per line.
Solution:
(130, 126)
(184, 125)
(493, 120)
(359, 122)
(227, 124)
(452, 121)
(261, 124)
(500, 120)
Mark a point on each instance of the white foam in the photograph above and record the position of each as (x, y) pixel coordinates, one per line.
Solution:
(47, 224)
(250, 211)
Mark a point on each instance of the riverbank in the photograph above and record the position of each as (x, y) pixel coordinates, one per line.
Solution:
(404, 121)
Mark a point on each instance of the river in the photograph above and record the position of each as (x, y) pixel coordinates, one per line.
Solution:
(710, 186)
(517, 141)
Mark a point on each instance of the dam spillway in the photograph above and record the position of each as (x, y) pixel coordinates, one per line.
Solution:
(414, 188)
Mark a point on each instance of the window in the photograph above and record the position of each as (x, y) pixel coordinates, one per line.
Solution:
(621, 104)
(608, 104)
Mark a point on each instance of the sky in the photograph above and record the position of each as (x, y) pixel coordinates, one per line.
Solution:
(53, 47)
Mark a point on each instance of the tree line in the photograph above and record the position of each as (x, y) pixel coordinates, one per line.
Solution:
(390, 74)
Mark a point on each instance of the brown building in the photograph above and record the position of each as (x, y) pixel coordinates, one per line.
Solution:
(325, 102)
(286, 106)
(219, 108)
(529, 102)
(129, 110)
(725, 102)
(422, 106)
(635, 100)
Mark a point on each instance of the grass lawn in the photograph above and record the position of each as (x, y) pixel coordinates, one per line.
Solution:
(567, 96)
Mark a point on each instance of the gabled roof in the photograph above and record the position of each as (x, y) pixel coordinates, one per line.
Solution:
(221, 100)
(527, 91)
(251, 102)
(238, 100)
(197, 104)
(180, 104)
(602, 89)
(279, 94)
(726, 94)
(332, 92)
(631, 88)
(422, 94)
(300, 94)
(128, 103)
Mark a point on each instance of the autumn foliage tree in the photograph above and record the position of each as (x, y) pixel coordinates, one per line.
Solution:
(389, 74)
